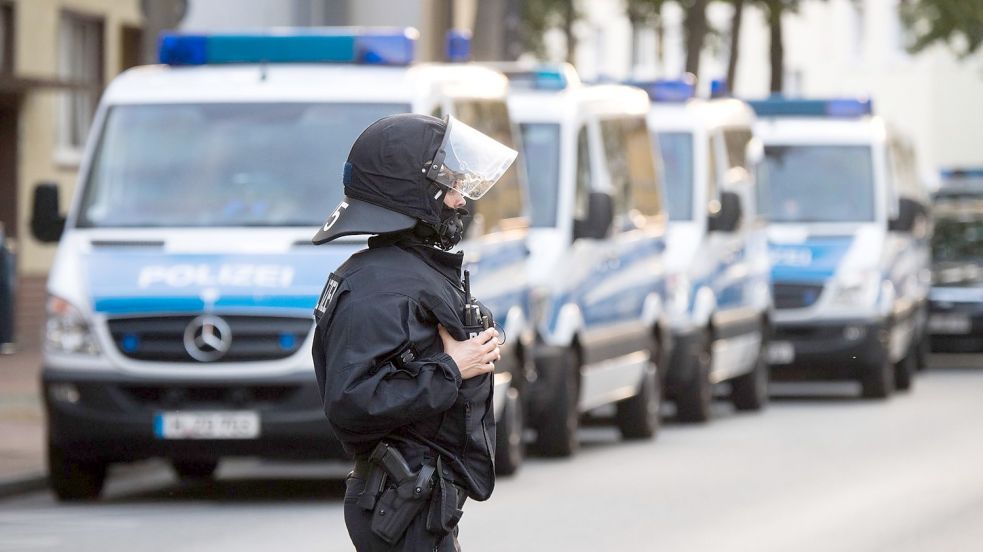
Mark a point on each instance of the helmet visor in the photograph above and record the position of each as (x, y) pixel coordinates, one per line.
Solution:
(469, 161)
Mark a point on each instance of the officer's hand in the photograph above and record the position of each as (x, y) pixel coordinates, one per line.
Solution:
(475, 356)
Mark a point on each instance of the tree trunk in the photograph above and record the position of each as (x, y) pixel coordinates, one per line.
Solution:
(569, 17)
(735, 45)
(777, 53)
(695, 25)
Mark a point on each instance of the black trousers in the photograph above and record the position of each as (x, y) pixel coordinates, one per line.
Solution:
(416, 539)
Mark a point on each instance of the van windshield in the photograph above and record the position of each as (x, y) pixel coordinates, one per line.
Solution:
(817, 184)
(541, 148)
(958, 239)
(206, 165)
(677, 166)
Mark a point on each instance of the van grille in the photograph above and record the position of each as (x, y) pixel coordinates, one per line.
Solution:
(796, 296)
(253, 338)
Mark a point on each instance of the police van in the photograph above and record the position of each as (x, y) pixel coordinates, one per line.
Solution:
(597, 238)
(849, 235)
(179, 318)
(717, 255)
(956, 300)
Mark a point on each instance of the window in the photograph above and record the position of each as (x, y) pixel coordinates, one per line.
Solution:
(501, 207)
(677, 167)
(631, 167)
(541, 154)
(6, 38)
(736, 141)
(79, 64)
(223, 165)
(581, 198)
(817, 184)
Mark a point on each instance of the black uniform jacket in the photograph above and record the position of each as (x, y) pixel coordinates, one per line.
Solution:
(381, 368)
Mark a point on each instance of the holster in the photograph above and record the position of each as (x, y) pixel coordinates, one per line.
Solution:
(445, 504)
(404, 492)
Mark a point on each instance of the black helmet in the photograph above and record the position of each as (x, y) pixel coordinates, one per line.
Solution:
(386, 184)
(399, 169)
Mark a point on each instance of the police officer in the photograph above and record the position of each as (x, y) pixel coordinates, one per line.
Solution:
(404, 357)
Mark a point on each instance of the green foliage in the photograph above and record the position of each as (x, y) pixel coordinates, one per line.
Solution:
(956, 23)
(538, 16)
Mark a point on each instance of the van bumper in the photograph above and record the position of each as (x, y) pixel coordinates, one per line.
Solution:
(111, 418)
(827, 350)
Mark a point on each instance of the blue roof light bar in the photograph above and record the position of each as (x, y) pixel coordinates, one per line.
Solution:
(669, 90)
(458, 45)
(317, 45)
(719, 88)
(778, 106)
(967, 173)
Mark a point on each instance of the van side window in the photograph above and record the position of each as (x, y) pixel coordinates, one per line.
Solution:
(736, 141)
(631, 165)
(502, 208)
(713, 171)
(583, 188)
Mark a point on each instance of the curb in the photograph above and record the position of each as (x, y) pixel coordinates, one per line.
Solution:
(23, 484)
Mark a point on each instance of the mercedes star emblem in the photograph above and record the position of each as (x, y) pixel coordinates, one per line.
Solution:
(207, 338)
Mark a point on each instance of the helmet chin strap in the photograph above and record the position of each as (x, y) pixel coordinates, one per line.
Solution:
(447, 233)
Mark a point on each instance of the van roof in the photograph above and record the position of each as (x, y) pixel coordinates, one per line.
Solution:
(567, 104)
(812, 130)
(304, 83)
(698, 113)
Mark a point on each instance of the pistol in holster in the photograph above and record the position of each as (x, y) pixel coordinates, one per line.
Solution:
(395, 495)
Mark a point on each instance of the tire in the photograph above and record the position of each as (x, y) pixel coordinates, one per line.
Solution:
(750, 391)
(877, 379)
(904, 370)
(74, 480)
(509, 447)
(193, 470)
(638, 417)
(922, 351)
(694, 400)
(558, 430)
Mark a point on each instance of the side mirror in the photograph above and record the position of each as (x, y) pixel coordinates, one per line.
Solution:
(47, 222)
(729, 216)
(908, 211)
(600, 216)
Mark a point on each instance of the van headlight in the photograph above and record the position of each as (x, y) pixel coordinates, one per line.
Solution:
(66, 330)
(856, 289)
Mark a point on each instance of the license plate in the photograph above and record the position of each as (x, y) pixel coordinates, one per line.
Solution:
(949, 324)
(206, 425)
(781, 352)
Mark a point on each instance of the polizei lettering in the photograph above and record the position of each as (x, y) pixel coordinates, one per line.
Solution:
(231, 275)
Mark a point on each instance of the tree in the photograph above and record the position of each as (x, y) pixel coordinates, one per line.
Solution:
(956, 23)
(695, 30)
(538, 16)
(735, 43)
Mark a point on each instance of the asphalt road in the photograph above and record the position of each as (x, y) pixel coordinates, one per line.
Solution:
(819, 470)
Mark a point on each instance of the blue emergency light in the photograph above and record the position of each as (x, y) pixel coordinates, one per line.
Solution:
(719, 88)
(952, 174)
(669, 90)
(779, 106)
(540, 78)
(315, 45)
(458, 45)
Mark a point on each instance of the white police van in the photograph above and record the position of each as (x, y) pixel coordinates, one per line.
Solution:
(956, 301)
(180, 300)
(849, 238)
(717, 255)
(597, 241)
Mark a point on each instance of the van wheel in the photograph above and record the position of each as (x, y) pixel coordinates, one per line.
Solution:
(74, 480)
(877, 379)
(694, 400)
(904, 370)
(750, 391)
(922, 350)
(509, 448)
(191, 470)
(558, 431)
(638, 416)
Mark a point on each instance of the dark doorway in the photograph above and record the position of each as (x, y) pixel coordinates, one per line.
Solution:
(8, 163)
(131, 50)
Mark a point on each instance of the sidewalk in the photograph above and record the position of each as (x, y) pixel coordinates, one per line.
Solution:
(21, 422)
